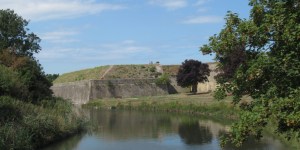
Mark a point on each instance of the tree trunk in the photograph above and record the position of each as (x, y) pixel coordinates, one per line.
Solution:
(194, 88)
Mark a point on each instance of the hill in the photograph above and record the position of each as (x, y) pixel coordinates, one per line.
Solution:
(117, 72)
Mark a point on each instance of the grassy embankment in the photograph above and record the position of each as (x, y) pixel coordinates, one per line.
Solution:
(28, 126)
(116, 72)
(183, 102)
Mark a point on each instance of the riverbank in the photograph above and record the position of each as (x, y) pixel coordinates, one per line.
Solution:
(201, 103)
(30, 126)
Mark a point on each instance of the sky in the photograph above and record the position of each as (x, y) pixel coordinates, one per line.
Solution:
(81, 34)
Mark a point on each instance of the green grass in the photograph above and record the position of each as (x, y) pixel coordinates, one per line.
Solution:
(181, 102)
(28, 126)
(116, 72)
(86, 74)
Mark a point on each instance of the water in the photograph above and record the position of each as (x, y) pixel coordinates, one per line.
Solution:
(142, 130)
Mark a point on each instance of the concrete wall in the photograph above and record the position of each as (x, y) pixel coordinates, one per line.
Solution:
(84, 91)
(174, 88)
(78, 91)
(127, 88)
(211, 85)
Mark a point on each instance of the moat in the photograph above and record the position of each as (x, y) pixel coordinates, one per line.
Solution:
(146, 130)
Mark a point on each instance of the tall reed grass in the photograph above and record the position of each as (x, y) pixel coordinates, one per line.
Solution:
(29, 126)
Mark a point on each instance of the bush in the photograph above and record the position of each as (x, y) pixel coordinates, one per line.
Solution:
(152, 69)
(164, 79)
(28, 126)
(143, 67)
(10, 83)
(34, 78)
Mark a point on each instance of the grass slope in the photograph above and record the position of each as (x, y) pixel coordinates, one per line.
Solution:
(116, 72)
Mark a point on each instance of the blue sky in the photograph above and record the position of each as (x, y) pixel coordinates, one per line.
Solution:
(80, 34)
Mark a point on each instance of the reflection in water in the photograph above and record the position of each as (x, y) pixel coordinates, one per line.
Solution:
(192, 133)
(155, 130)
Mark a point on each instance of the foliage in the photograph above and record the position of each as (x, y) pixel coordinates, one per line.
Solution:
(152, 69)
(27, 126)
(10, 57)
(191, 72)
(23, 77)
(10, 83)
(52, 77)
(142, 66)
(271, 70)
(230, 62)
(164, 79)
(219, 109)
(13, 34)
(36, 82)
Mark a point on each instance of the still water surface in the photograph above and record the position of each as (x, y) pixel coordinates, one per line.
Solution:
(144, 130)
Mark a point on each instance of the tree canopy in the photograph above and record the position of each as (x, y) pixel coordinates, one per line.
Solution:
(191, 72)
(22, 72)
(14, 34)
(270, 73)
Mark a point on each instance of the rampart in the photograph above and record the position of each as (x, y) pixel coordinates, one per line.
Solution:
(212, 84)
(88, 90)
(84, 91)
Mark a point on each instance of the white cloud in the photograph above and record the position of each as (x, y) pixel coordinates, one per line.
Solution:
(204, 19)
(65, 41)
(203, 9)
(169, 4)
(206, 37)
(104, 51)
(55, 35)
(128, 42)
(37, 10)
(200, 2)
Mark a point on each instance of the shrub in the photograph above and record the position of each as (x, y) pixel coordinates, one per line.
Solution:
(143, 67)
(10, 83)
(152, 69)
(164, 79)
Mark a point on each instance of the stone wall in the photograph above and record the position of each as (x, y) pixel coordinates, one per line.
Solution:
(78, 91)
(211, 85)
(84, 91)
(173, 88)
(127, 88)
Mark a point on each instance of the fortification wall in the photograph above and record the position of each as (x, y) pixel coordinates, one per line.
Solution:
(78, 91)
(84, 91)
(212, 84)
(173, 88)
(127, 88)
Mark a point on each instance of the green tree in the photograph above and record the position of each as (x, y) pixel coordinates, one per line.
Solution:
(191, 72)
(271, 70)
(52, 77)
(14, 34)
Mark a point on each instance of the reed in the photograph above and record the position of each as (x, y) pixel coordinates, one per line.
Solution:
(29, 126)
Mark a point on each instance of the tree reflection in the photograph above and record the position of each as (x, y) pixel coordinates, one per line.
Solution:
(192, 133)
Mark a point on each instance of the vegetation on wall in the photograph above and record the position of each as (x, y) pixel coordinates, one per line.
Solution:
(163, 80)
(270, 73)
